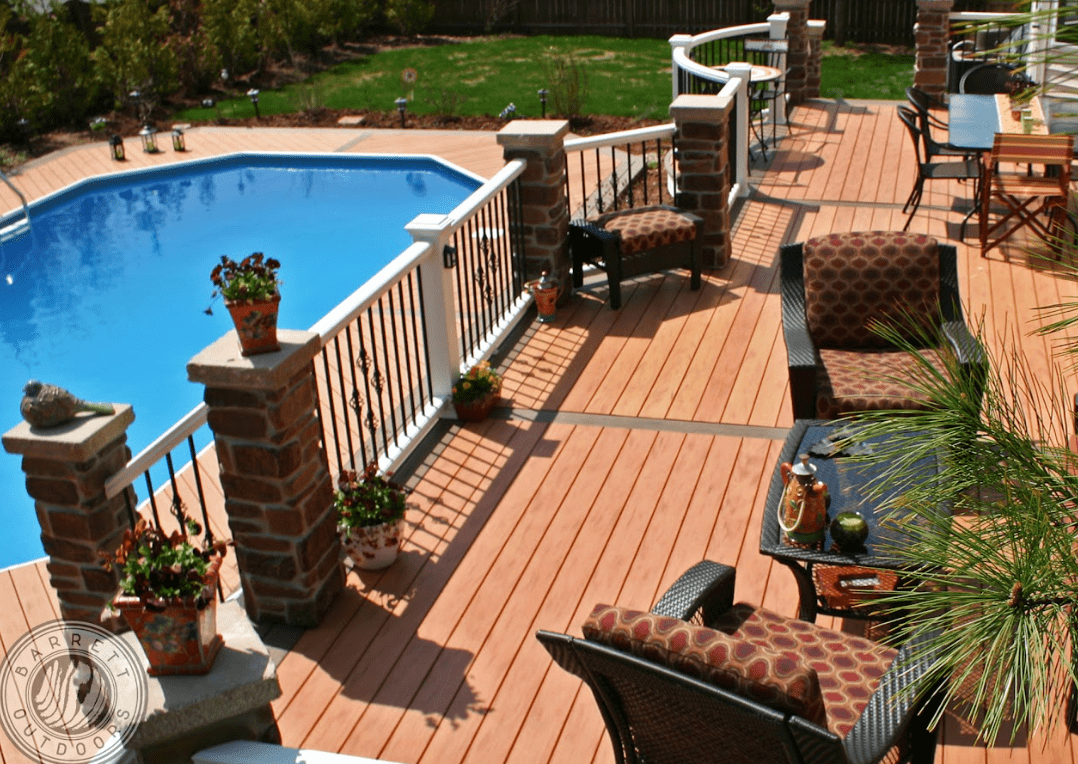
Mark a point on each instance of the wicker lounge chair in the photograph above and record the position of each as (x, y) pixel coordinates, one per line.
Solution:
(702, 679)
(835, 288)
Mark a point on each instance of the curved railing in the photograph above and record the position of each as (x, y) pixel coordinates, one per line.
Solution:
(695, 57)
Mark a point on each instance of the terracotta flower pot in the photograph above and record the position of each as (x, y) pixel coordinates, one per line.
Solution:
(477, 410)
(182, 638)
(373, 547)
(256, 325)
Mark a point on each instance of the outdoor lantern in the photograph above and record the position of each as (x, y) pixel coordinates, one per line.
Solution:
(178, 143)
(542, 100)
(149, 139)
(253, 95)
(116, 146)
(402, 104)
(208, 103)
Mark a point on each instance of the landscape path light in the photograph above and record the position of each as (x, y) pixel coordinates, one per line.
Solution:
(148, 134)
(253, 95)
(542, 100)
(402, 105)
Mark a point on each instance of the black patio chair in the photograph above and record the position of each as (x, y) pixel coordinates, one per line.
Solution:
(837, 287)
(714, 681)
(966, 168)
(986, 79)
(927, 104)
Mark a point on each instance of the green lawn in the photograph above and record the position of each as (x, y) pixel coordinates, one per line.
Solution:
(624, 78)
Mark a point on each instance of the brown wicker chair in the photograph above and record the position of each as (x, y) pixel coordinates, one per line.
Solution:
(746, 685)
(636, 241)
(836, 287)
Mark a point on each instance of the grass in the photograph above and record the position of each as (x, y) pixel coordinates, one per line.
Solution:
(860, 72)
(625, 77)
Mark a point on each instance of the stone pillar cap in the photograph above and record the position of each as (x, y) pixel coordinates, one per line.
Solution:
(221, 366)
(533, 133)
(74, 441)
(700, 108)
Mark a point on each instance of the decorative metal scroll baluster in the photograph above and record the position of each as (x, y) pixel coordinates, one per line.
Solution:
(355, 403)
(368, 370)
(387, 386)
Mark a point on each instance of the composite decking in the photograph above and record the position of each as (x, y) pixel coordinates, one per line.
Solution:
(630, 445)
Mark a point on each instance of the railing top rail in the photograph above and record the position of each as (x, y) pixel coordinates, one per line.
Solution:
(149, 456)
(333, 323)
(722, 34)
(621, 137)
(682, 61)
(978, 16)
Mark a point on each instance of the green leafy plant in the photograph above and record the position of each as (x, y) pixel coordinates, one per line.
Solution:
(478, 383)
(160, 569)
(368, 499)
(567, 79)
(994, 580)
(253, 279)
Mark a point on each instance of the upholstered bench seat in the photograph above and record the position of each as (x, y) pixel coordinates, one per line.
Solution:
(868, 380)
(648, 227)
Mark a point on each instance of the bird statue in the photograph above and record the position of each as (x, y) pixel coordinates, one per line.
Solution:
(45, 405)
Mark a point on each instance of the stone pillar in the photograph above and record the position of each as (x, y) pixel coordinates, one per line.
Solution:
(544, 210)
(704, 168)
(932, 33)
(815, 31)
(66, 468)
(274, 474)
(797, 57)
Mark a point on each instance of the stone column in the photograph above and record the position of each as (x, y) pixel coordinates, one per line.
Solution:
(66, 468)
(544, 210)
(815, 31)
(704, 168)
(932, 32)
(274, 474)
(797, 58)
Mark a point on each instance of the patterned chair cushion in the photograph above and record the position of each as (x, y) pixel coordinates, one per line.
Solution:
(852, 381)
(849, 668)
(645, 228)
(854, 280)
(752, 670)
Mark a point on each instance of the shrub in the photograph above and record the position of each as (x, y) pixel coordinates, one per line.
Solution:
(567, 81)
(135, 53)
(409, 16)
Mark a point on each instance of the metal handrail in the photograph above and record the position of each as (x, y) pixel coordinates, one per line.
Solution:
(14, 229)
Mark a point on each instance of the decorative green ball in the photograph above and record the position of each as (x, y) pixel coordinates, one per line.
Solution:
(849, 530)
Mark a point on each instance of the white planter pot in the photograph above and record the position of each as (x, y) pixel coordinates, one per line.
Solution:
(375, 546)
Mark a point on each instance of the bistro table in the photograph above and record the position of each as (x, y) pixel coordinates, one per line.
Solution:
(974, 120)
(829, 581)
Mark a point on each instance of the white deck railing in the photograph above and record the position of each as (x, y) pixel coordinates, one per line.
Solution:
(446, 322)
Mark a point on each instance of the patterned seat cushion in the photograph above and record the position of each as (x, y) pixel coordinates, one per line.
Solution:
(856, 280)
(777, 680)
(867, 380)
(645, 228)
(849, 668)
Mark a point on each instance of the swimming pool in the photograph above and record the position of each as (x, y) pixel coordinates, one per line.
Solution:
(106, 294)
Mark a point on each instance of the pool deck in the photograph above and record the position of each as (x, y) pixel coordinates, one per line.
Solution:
(630, 445)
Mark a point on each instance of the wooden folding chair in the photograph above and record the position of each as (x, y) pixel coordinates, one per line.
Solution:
(1030, 176)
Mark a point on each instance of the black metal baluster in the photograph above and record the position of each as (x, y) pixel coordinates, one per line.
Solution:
(386, 381)
(377, 382)
(332, 408)
(426, 336)
(362, 363)
(208, 535)
(153, 499)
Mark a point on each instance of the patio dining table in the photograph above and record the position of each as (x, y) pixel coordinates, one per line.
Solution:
(974, 120)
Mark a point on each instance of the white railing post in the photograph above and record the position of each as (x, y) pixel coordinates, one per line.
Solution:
(739, 77)
(677, 42)
(777, 31)
(439, 312)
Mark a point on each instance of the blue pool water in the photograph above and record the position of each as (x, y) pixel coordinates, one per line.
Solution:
(106, 295)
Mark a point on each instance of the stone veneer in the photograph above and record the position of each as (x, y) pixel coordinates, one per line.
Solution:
(797, 57)
(544, 211)
(66, 468)
(274, 474)
(932, 33)
(704, 169)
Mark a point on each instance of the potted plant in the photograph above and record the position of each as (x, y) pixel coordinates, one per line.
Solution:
(168, 596)
(476, 393)
(370, 517)
(251, 296)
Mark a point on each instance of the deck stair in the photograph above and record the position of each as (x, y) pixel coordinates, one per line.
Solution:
(17, 226)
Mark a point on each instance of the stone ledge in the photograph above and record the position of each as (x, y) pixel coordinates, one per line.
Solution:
(243, 679)
(221, 365)
(532, 134)
(75, 441)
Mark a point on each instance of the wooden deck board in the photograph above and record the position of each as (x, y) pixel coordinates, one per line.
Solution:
(520, 524)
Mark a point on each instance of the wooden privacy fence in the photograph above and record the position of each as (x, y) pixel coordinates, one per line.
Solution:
(867, 21)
